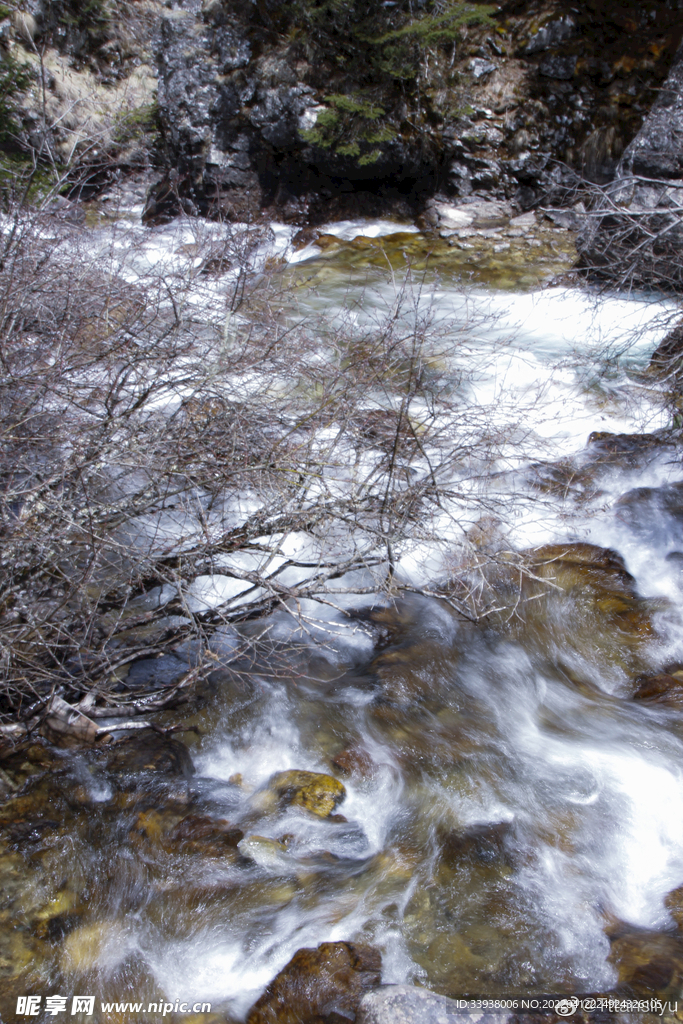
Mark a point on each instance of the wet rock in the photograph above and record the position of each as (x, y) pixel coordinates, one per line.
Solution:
(416, 665)
(562, 478)
(193, 834)
(155, 673)
(649, 963)
(148, 751)
(483, 843)
(405, 1004)
(313, 791)
(210, 837)
(413, 672)
(663, 688)
(583, 597)
(581, 565)
(270, 854)
(320, 986)
(91, 944)
(22, 764)
(674, 904)
(623, 444)
(652, 510)
(668, 353)
(354, 761)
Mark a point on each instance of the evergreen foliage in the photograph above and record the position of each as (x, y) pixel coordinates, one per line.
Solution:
(377, 37)
(351, 126)
(442, 25)
(378, 47)
(14, 78)
(85, 23)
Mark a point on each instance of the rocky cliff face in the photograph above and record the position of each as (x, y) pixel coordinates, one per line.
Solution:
(313, 109)
(637, 227)
(517, 108)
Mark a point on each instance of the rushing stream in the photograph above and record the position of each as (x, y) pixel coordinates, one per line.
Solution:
(510, 810)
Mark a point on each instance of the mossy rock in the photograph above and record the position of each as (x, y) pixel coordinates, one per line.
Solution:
(315, 792)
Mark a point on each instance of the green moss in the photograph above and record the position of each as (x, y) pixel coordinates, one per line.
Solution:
(134, 124)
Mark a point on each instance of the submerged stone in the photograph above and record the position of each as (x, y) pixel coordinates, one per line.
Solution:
(210, 837)
(596, 579)
(313, 791)
(354, 761)
(483, 843)
(663, 688)
(91, 944)
(149, 751)
(319, 986)
(649, 963)
(650, 510)
(270, 854)
(405, 1004)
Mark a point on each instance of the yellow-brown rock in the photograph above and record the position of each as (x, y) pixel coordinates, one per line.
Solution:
(315, 792)
(85, 947)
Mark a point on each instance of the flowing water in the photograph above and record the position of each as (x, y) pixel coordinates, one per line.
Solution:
(509, 807)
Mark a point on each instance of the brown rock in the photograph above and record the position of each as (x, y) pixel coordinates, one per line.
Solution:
(319, 986)
(482, 843)
(660, 689)
(211, 837)
(149, 751)
(622, 444)
(674, 904)
(649, 963)
(570, 565)
(668, 353)
(353, 761)
(597, 575)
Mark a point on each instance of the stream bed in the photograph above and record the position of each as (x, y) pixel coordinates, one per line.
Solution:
(495, 746)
